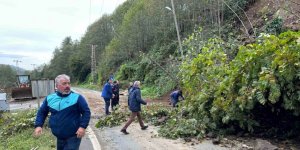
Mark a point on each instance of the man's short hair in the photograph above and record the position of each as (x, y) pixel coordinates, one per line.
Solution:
(59, 77)
(136, 83)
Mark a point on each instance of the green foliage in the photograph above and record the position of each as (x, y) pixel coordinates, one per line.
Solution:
(14, 123)
(153, 113)
(114, 119)
(223, 92)
(25, 140)
(137, 26)
(182, 127)
(150, 92)
(126, 71)
(7, 77)
(275, 27)
(17, 132)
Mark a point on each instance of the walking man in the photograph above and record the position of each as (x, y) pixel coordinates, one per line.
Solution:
(135, 101)
(70, 115)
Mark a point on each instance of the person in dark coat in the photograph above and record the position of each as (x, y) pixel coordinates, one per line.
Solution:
(116, 91)
(129, 90)
(175, 97)
(107, 94)
(135, 101)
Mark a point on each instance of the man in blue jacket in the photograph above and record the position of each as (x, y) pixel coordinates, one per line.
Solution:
(135, 101)
(70, 115)
(107, 94)
(175, 97)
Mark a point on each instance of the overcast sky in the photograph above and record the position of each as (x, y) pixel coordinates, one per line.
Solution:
(30, 30)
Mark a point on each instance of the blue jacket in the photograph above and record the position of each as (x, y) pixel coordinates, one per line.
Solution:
(175, 96)
(135, 100)
(107, 91)
(68, 113)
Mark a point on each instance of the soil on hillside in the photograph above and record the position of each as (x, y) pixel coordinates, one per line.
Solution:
(262, 12)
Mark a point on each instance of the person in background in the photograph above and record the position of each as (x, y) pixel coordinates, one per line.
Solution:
(70, 115)
(135, 107)
(175, 97)
(111, 77)
(107, 94)
(116, 92)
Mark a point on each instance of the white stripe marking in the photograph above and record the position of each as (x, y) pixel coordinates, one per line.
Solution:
(93, 138)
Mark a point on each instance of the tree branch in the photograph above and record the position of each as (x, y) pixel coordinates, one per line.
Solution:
(238, 17)
(162, 68)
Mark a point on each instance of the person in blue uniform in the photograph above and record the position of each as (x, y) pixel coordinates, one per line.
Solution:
(70, 115)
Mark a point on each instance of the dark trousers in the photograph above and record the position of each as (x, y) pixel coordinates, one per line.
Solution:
(128, 101)
(174, 102)
(107, 104)
(114, 102)
(71, 143)
(132, 118)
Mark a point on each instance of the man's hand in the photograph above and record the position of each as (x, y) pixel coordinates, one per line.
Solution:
(80, 132)
(38, 131)
(147, 101)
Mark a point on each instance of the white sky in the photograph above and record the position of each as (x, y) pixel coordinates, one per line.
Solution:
(30, 30)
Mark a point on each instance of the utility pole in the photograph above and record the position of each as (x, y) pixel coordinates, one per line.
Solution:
(177, 30)
(93, 63)
(90, 12)
(33, 65)
(17, 62)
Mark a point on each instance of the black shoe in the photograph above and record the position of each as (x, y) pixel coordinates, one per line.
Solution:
(144, 127)
(124, 131)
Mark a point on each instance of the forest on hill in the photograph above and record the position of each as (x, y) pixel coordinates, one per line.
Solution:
(238, 61)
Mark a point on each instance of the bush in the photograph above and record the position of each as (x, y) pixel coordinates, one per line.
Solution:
(14, 123)
(275, 27)
(17, 132)
(228, 93)
(116, 118)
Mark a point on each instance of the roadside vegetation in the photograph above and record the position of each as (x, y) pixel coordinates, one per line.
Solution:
(257, 92)
(17, 132)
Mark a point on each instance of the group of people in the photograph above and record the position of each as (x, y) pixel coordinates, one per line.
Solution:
(110, 94)
(70, 113)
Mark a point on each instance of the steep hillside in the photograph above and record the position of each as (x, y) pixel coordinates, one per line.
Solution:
(263, 15)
